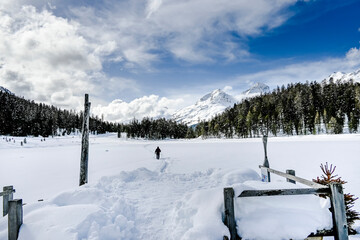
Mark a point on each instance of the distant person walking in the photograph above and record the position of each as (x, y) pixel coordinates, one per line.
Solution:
(157, 152)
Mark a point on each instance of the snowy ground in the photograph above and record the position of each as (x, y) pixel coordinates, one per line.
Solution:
(131, 195)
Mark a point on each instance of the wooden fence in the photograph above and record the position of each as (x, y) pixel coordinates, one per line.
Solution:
(334, 191)
(14, 209)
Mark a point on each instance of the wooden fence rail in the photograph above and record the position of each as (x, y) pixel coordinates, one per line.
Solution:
(292, 177)
(333, 190)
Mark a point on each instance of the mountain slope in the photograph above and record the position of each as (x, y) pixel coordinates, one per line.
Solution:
(214, 103)
(257, 88)
(345, 76)
(208, 106)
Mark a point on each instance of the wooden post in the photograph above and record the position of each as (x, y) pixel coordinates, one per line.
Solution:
(15, 218)
(265, 175)
(229, 218)
(7, 198)
(85, 143)
(291, 172)
(338, 212)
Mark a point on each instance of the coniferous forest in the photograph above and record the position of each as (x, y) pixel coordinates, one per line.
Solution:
(298, 109)
(20, 117)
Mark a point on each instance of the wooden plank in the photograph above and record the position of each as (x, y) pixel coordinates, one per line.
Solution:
(338, 212)
(291, 172)
(229, 218)
(265, 175)
(7, 196)
(85, 143)
(295, 178)
(276, 192)
(15, 216)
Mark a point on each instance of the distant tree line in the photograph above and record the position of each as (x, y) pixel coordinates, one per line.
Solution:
(156, 129)
(21, 117)
(298, 109)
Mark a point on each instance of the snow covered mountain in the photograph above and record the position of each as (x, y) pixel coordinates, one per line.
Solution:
(345, 76)
(257, 89)
(206, 108)
(2, 89)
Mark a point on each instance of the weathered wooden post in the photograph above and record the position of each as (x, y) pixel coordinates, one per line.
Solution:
(85, 143)
(265, 175)
(8, 195)
(15, 218)
(229, 218)
(291, 172)
(338, 212)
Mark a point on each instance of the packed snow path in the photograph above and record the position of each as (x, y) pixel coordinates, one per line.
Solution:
(131, 195)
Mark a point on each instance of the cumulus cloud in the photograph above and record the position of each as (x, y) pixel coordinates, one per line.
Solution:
(45, 58)
(148, 106)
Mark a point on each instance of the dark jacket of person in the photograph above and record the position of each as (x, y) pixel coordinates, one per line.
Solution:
(157, 150)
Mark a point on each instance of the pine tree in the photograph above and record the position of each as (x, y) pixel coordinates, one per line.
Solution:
(328, 177)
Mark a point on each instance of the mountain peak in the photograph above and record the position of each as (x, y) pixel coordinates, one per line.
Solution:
(217, 96)
(257, 88)
(345, 76)
(207, 107)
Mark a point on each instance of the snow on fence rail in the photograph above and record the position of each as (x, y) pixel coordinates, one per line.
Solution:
(334, 190)
(14, 210)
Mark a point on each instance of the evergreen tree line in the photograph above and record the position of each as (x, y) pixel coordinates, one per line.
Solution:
(155, 129)
(298, 109)
(21, 117)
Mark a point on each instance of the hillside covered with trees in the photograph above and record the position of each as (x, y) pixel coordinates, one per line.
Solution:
(298, 109)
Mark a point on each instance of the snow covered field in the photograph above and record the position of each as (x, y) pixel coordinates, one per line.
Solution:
(131, 195)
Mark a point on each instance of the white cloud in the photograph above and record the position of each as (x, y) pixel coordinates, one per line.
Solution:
(227, 88)
(353, 57)
(153, 6)
(148, 106)
(45, 58)
(194, 31)
(304, 71)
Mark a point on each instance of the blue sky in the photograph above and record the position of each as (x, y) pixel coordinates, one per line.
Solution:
(152, 57)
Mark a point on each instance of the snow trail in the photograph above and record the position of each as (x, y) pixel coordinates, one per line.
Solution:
(139, 204)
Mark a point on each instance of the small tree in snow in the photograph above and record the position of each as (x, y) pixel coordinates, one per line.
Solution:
(328, 177)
